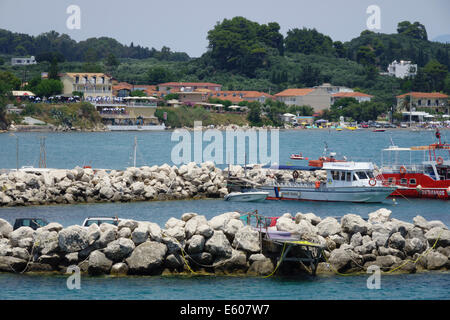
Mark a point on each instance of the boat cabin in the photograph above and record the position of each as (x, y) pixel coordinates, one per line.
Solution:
(349, 174)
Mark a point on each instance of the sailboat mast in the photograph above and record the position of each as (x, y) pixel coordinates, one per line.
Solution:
(134, 154)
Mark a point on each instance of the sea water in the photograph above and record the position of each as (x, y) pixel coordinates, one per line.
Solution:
(114, 150)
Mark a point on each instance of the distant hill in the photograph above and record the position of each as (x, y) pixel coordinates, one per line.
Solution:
(444, 38)
(68, 49)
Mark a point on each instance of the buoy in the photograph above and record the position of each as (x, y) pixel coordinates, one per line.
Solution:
(372, 182)
(402, 170)
(317, 184)
(393, 200)
(439, 160)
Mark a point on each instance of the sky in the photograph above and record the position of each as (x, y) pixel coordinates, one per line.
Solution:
(183, 25)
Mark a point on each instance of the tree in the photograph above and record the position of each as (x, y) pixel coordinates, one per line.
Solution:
(158, 75)
(365, 56)
(53, 72)
(138, 93)
(254, 115)
(308, 41)
(48, 87)
(111, 60)
(415, 30)
(340, 50)
(8, 82)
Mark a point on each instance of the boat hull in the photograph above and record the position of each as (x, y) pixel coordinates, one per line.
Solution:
(136, 128)
(429, 188)
(341, 194)
(246, 196)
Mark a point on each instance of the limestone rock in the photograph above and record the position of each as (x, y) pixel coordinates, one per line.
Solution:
(147, 258)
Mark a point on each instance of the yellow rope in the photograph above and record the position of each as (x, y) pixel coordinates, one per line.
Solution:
(279, 262)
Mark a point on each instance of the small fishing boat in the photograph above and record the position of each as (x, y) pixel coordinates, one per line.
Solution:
(298, 157)
(379, 130)
(251, 196)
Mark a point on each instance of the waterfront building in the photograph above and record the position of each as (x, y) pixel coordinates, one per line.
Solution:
(428, 100)
(93, 85)
(236, 96)
(318, 98)
(173, 87)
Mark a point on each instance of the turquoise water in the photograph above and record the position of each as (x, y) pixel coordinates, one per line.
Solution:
(433, 285)
(114, 150)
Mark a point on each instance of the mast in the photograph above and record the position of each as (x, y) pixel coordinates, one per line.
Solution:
(134, 152)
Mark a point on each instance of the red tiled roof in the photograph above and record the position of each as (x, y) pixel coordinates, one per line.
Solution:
(424, 95)
(238, 96)
(189, 84)
(294, 92)
(350, 94)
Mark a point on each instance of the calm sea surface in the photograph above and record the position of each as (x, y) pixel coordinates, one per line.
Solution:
(114, 150)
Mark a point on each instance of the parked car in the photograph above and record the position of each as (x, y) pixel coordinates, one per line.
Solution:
(33, 223)
(99, 220)
(403, 125)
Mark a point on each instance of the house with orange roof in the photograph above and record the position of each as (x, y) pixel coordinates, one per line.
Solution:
(171, 87)
(236, 96)
(436, 100)
(359, 96)
(318, 98)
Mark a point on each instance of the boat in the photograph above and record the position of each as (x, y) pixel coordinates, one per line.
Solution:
(330, 158)
(298, 157)
(346, 182)
(251, 196)
(379, 130)
(427, 178)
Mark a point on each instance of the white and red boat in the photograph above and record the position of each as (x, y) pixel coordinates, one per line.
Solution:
(428, 178)
(298, 157)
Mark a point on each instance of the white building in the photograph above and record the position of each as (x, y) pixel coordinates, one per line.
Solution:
(23, 61)
(402, 69)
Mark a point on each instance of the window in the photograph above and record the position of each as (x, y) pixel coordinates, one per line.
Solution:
(348, 176)
(403, 181)
(429, 103)
(342, 176)
(412, 181)
(335, 175)
(361, 175)
(370, 174)
(77, 79)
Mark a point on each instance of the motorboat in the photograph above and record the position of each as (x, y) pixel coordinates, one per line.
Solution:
(251, 196)
(298, 157)
(345, 182)
(426, 178)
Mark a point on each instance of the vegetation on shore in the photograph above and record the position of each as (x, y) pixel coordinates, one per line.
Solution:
(245, 55)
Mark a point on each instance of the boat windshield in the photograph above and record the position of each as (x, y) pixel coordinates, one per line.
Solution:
(361, 175)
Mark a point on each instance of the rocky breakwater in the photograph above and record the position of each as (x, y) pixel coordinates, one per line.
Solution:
(84, 185)
(263, 176)
(225, 245)
(133, 184)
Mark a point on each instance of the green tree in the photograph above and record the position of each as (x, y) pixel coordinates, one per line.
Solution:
(158, 75)
(138, 93)
(254, 115)
(53, 72)
(415, 30)
(8, 82)
(48, 87)
(308, 41)
(111, 60)
(365, 56)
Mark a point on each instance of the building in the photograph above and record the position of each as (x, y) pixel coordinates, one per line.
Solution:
(236, 96)
(437, 101)
(359, 96)
(90, 84)
(172, 87)
(318, 98)
(402, 69)
(191, 98)
(124, 89)
(23, 61)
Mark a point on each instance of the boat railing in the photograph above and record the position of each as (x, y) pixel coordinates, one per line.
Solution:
(397, 168)
(293, 184)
